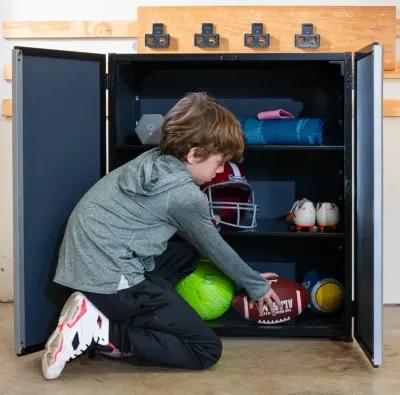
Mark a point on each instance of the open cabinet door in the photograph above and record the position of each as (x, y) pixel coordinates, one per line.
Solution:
(368, 202)
(58, 154)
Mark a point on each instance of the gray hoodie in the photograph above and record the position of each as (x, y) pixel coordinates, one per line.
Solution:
(127, 218)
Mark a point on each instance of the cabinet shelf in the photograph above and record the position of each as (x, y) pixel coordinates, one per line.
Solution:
(144, 147)
(295, 148)
(278, 228)
(308, 324)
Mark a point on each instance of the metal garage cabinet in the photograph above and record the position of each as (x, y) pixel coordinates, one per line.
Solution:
(60, 151)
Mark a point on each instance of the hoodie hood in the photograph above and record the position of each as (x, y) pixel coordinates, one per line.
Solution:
(152, 173)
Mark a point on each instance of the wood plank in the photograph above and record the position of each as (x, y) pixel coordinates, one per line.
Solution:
(391, 108)
(70, 29)
(7, 108)
(392, 74)
(341, 28)
(7, 72)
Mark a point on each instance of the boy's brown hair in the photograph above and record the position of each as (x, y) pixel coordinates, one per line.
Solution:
(197, 120)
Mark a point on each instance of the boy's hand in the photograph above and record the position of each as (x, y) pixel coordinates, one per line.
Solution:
(269, 299)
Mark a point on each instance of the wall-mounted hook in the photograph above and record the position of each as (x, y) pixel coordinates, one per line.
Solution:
(157, 39)
(256, 39)
(206, 39)
(307, 38)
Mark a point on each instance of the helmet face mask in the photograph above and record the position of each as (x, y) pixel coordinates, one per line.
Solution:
(231, 198)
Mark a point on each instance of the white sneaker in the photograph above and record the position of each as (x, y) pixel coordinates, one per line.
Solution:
(302, 215)
(327, 215)
(79, 324)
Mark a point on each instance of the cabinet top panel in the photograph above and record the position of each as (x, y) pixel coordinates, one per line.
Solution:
(222, 57)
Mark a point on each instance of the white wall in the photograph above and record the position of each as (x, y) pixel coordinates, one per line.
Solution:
(126, 9)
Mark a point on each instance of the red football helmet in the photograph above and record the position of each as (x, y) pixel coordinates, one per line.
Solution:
(231, 198)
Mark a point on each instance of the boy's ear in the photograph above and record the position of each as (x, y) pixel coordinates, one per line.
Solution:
(191, 156)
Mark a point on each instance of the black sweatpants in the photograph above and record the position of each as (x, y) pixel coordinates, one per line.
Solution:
(151, 320)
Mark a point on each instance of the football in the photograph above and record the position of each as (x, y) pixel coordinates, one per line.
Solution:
(294, 297)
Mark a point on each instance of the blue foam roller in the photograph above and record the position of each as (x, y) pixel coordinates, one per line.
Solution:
(298, 131)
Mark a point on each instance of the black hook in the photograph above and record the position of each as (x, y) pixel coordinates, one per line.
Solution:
(257, 39)
(158, 39)
(207, 39)
(307, 38)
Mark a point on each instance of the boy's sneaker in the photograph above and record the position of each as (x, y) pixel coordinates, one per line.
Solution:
(302, 215)
(80, 324)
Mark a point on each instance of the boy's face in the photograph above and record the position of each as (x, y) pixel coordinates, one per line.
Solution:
(204, 170)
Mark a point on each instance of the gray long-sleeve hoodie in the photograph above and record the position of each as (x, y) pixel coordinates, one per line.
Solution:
(127, 218)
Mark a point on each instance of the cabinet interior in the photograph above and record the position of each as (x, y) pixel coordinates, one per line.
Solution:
(280, 175)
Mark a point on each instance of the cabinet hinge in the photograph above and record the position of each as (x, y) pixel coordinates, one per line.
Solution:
(107, 81)
(349, 80)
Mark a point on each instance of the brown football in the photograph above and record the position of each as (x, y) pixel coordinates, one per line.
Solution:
(294, 297)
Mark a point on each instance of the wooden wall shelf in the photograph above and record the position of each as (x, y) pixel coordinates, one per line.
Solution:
(341, 28)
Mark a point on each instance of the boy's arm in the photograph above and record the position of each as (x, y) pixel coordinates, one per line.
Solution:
(190, 214)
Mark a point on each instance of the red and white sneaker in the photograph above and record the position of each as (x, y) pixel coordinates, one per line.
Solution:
(328, 216)
(302, 215)
(80, 324)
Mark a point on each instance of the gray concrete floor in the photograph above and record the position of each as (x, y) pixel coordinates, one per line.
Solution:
(248, 366)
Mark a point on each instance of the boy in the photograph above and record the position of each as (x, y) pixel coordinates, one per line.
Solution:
(119, 253)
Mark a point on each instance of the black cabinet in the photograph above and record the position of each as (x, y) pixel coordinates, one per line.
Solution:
(60, 151)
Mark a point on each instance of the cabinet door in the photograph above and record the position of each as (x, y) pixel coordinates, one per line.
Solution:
(58, 153)
(368, 202)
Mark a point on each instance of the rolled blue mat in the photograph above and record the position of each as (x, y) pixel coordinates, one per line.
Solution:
(298, 131)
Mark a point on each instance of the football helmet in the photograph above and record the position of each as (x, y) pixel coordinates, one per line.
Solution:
(231, 198)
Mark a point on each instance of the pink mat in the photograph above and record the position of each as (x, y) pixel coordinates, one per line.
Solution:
(274, 114)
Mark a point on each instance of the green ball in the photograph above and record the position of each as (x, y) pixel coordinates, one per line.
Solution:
(207, 290)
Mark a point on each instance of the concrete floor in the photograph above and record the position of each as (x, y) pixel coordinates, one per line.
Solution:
(247, 366)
